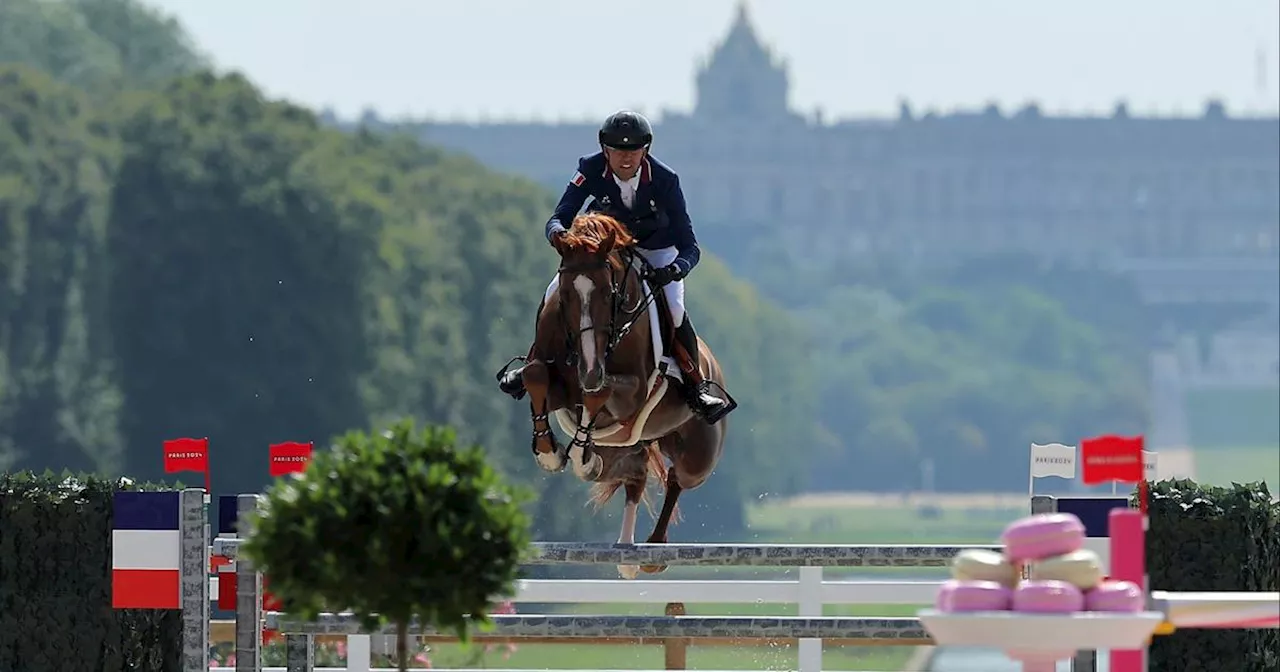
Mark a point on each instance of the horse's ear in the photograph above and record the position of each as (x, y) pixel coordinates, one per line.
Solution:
(606, 245)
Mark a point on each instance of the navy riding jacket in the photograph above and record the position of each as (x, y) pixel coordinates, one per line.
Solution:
(658, 218)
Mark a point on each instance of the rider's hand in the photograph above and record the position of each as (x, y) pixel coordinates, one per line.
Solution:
(557, 240)
(665, 275)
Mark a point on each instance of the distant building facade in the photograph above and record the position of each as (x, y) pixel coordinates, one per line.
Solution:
(1188, 207)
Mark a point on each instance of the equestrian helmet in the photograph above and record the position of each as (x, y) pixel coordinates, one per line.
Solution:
(626, 130)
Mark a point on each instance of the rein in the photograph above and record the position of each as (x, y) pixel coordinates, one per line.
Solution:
(621, 317)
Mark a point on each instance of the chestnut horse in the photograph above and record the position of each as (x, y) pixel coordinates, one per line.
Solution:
(595, 368)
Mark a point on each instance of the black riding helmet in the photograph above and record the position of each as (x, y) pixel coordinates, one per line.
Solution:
(626, 130)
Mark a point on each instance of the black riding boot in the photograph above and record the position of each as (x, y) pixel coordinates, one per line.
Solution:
(697, 390)
(512, 382)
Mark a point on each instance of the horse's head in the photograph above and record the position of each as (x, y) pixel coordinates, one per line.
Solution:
(593, 285)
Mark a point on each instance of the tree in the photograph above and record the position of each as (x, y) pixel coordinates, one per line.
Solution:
(98, 46)
(237, 296)
(152, 48)
(396, 526)
(59, 398)
(968, 378)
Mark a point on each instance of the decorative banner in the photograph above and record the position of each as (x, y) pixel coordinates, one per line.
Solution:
(188, 455)
(289, 458)
(1053, 459)
(227, 586)
(1112, 458)
(145, 550)
(1150, 465)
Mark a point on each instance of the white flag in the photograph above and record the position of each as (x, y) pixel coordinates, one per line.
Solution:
(1149, 462)
(1053, 459)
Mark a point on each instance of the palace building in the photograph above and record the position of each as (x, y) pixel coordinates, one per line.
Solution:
(1189, 207)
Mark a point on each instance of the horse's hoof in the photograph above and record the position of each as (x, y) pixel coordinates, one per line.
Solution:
(552, 462)
(628, 571)
(591, 470)
(653, 569)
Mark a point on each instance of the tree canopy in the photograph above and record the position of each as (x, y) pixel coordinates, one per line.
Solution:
(257, 278)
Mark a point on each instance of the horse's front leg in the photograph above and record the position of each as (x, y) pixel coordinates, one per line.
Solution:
(587, 465)
(634, 490)
(547, 451)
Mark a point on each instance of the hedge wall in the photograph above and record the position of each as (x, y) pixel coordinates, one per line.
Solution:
(55, 582)
(1205, 538)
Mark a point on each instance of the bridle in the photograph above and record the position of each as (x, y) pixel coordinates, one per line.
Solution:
(622, 317)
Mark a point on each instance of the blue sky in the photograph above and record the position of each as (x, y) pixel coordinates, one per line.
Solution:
(581, 59)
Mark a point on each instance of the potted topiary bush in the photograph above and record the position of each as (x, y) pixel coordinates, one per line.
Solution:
(396, 527)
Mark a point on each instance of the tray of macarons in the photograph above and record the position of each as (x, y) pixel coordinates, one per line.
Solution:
(1065, 605)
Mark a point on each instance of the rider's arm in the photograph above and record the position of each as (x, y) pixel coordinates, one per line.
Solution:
(682, 227)
(575, 194)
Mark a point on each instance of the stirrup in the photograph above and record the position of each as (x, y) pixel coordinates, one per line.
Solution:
(502, 374)
(705, 387)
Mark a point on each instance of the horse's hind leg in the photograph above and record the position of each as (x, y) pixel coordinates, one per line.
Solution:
(635, 491)
(547, 451)
(694, 449)
(659, 534)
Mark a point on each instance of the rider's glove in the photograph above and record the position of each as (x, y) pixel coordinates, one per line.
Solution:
(557, 239)
(665, 275)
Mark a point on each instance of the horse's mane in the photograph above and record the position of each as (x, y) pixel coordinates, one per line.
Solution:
(590, 230)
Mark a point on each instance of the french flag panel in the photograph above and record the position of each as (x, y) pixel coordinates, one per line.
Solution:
(227, 514)
(1095, 513)
(145, 551)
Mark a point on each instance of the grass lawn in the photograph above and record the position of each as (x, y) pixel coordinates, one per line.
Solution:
(626, 657)
(843, 525)
(1224, 466)
(597, 657)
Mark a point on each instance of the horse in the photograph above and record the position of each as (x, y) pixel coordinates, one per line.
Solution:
(595, 366)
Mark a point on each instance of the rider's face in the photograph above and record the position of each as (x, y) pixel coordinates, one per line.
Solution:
(624, 163)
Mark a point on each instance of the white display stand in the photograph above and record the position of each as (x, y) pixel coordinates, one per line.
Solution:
(1042, 632)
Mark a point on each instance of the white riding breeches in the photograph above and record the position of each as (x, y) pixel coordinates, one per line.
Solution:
(656, 258)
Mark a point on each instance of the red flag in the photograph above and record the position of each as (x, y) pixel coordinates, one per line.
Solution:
(187, 455)
(1111, 458)
(269, 603)
(227, 590)
(288, 458)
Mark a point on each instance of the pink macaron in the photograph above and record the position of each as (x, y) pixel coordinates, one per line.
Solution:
(965, 596)
(942, 600)
(1047, 597)
(1115, 596)
(1042, 536)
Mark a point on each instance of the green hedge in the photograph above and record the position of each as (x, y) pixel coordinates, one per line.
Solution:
(55, 582)
(1206, 538)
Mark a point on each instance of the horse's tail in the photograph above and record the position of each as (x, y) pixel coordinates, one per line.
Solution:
(655, 465)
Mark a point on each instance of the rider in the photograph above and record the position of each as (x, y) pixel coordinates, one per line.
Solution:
(622, 170)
